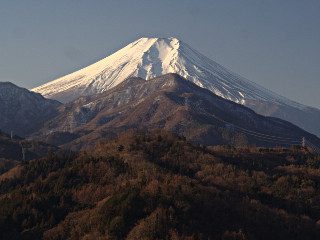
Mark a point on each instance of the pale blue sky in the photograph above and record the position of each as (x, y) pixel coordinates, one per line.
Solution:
(274, 43)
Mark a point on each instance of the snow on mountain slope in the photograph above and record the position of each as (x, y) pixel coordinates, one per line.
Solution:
(151, 57)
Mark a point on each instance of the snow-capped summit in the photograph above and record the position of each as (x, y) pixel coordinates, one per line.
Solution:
(151, 57)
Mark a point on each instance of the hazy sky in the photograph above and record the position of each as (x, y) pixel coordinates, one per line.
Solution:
(275, 43)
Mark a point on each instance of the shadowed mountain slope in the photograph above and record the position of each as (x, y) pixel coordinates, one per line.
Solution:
(22, 111)
(151, 57)
(168, 102)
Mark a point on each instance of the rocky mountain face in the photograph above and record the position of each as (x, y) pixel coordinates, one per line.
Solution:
(168, 102)
(151, 57)
(22, 111)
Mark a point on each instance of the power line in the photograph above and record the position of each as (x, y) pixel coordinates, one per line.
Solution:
(252, 132)
(261, 136)
(267, 137)
(276, 139)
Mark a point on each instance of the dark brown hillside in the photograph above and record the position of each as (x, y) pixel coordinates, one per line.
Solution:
(11, 150)
(159, 186)
(161, 103)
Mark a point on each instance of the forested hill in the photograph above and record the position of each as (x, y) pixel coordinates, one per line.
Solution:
(159, 186)
(11, 150)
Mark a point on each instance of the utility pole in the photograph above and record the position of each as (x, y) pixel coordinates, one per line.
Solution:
(23, 152)
(303, 141)
(186, 105)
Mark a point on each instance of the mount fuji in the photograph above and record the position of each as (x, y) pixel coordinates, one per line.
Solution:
(151, 57)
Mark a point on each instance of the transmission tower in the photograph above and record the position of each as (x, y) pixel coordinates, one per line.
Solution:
(23, 152)
(186, 99)
(186, 105)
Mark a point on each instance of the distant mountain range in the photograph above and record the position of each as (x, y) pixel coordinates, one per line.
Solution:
(151, 57)
(169, 102)
(22, 111)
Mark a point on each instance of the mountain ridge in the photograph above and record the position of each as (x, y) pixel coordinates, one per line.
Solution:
(168, 102)
(23, 111)
(151, 57)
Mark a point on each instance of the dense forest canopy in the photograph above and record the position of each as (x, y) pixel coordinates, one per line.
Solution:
(160, 186)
